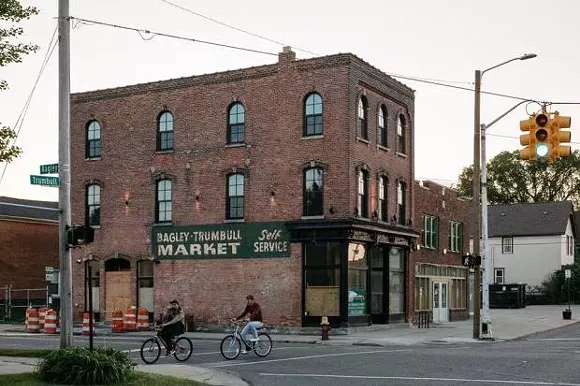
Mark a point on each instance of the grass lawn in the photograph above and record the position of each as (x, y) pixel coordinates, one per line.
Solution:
(140, 379)
(18, 352)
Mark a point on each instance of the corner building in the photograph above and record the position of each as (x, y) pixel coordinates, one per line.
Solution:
(290, 181)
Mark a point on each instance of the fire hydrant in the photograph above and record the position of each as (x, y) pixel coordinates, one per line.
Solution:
(325, 327)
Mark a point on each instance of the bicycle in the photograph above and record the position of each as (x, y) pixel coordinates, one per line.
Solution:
(151, 348)
(231, 345)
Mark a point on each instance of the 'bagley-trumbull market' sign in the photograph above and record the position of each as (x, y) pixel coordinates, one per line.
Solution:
(234, 240)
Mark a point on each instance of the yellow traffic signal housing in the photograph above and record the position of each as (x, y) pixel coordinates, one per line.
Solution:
(528, 140)
(559, 136)
(543, 147)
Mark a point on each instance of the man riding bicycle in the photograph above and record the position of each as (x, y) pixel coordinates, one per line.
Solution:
(254, 320)
(172, 325)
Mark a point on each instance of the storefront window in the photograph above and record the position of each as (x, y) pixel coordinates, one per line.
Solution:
(322, 278)
(422, 294)
(357, 279)
(396, 281)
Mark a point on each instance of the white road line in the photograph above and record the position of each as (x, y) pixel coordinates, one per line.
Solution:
(553, 339)
(208, 353)
(300, 358)
(426, 379)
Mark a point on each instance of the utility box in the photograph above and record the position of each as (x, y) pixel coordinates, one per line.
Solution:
(507, 296)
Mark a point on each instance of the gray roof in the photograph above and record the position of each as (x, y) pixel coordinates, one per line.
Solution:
(28, 209)
(530, 219)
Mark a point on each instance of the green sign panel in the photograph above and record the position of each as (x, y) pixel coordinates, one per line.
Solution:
(221, 241)
(45, 181)
(49, 169)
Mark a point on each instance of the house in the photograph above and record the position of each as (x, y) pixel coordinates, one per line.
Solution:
(28, 251)
(441, 281)
(291, 181)
(530, 241)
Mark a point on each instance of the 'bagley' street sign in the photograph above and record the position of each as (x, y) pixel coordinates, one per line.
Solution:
(49, 169)
(45, 181)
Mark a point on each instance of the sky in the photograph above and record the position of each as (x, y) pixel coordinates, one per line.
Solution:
(441, 41)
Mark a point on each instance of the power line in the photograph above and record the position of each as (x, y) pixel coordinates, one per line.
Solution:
(233, 27)
(143, 33)
(20, 120)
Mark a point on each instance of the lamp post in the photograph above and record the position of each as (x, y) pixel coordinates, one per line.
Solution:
(477, 159)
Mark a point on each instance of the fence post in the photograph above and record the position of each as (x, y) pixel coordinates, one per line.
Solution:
(10, 302)
(47, 287)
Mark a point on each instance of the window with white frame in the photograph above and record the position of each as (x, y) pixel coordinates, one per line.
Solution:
(455, 236)
(430, 232)
(569, 245)
(499, 275)
(507, 245)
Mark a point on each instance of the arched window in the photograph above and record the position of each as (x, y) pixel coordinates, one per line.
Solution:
(236, 123)
(382, 130)
(313, 114)
(93, 205)
(93, 140)
(313, 192)
(235, 196)
(401, 134)
(362, 121)
(363, 193)
(163, 201)
(383, 198)
(401, 202)
(165, 131)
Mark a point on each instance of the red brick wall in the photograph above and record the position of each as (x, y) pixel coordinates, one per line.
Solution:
(440, 201)
(25, 249)
(273, 158)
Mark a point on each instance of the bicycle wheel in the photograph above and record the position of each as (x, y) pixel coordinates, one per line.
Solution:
(264, 345)
(150, 351)
(230, 347)
(183, 348)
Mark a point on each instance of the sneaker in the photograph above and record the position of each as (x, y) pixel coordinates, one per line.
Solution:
(244, 351)
(169, 352)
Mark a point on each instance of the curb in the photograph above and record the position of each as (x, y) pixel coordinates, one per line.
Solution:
(540, 332)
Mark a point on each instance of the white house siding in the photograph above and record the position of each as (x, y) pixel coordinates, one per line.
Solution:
(533, 258)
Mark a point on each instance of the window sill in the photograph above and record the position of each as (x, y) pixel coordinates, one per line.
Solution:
(162, 224)
(95, 226)
(234, 220)
(402, 155)
(93, 159)
(319, 217)
(363, 140)
(238, 144)
(316, 136)
(168, 151)
(383, 148)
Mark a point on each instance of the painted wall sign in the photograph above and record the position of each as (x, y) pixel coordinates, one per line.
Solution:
(233, 240)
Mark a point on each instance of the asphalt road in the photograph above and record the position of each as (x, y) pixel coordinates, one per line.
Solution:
(551, 358)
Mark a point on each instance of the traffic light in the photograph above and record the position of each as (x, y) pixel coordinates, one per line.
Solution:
(559, 136)
(537, 141)
(79, 235)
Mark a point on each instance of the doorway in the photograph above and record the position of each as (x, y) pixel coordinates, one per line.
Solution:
(117, 286)
(379, 286)
(440, 307)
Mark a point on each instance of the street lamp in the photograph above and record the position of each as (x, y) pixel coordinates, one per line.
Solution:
(477, 205)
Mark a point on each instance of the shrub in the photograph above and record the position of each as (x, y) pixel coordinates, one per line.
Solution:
(80, 366)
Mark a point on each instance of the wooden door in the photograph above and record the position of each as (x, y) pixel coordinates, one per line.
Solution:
(118, 292)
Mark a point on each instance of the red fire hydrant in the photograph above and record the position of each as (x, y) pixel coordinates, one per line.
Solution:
(325, 327)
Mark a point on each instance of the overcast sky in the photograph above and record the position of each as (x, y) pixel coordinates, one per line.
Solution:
(439, 40)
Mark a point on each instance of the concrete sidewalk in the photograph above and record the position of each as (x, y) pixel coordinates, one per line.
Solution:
(507, 324)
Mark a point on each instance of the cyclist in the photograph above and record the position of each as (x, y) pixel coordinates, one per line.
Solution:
(172, 325)
(254, 313)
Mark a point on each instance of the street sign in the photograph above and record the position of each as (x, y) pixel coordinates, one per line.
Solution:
(45, 181)
(568, 273)
(48, 269)
(49, 169)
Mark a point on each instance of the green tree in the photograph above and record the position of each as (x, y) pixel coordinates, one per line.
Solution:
(11, 51)
(510, 180)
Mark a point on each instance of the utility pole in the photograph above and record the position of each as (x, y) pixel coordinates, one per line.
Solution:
(476, 203)
(65, 287)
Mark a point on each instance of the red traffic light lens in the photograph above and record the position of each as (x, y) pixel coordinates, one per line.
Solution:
(542, 120)
(541, 135)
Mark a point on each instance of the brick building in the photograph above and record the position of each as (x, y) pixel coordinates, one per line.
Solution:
(441, 281)
(290, 181)
(28, 244)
